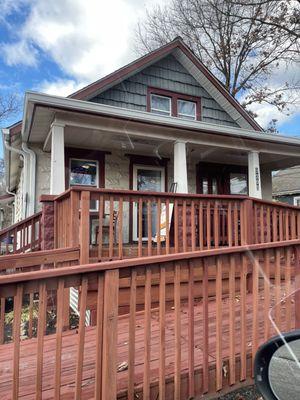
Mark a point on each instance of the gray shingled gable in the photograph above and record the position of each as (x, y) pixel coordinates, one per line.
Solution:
(166, 74)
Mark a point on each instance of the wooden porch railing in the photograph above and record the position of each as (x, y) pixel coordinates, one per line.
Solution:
(116, 224)
(22, 236)
(176, 340)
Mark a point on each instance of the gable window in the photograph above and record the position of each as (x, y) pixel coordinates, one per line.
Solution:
(186, 109)
(160, 104)
(165, 102)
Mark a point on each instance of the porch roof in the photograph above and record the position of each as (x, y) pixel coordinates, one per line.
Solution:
(41, 110)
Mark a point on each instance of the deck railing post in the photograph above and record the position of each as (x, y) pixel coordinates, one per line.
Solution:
(84, 240)
(47, 222)
(297, 287)
(248, 234)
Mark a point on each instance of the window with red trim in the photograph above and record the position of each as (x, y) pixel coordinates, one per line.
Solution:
(164, 102)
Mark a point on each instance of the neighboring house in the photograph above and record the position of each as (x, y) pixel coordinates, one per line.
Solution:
(162, 122)
(286, 186)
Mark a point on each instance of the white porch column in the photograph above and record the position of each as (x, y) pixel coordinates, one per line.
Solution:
(180, 168)
(57, 180)
(254, 179)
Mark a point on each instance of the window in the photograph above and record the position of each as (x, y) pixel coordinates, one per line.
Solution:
(164, 102)
(297, 201)
(160, 104)
(83, 172)
(186, 109)
(238, 183)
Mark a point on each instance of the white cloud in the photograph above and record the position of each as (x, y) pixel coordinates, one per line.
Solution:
(86, 38)
(59, 87)
(20, 52)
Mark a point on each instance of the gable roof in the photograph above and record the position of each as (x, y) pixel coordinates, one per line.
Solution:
(186, 57)
(286, 181)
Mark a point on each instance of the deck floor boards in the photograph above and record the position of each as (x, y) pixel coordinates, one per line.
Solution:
(69, 351)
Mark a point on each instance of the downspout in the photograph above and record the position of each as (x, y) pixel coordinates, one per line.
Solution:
(24, 155)
(32, 177)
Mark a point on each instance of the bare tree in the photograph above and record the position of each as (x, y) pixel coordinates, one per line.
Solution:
(9, 106)
(233, 42)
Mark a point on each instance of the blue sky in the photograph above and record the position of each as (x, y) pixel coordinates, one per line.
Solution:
(59, 46)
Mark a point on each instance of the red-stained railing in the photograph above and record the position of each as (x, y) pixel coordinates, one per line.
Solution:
(165, 326)
(22, 236)
(116, 224)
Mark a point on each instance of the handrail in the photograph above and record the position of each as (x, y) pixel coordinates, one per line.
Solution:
(37, 258)
(19, 223)
(142, 261)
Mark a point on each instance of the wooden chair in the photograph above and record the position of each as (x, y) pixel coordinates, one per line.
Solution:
(105, 228)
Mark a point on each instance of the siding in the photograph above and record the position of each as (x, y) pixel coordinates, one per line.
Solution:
(166, 74)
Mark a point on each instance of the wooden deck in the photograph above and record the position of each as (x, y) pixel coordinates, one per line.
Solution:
(28, 356)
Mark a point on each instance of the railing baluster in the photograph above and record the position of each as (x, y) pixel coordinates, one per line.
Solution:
(232, 328)
(219, 370)
(193, 225)
(120, 227)
(216, 225)
(255, 323)
(58, 339)
(111, 227)
(162, 332)
(268, 224)
(201, 225)
(2, 320)
(99, 336)
(229, 225)
(85, 228)
(208, 225)
(280, 224)
(147, 335)
(100, 229)
(81, 335)
(149, 230)
(277, 289)
(184, 223)
(30, 322)
(191, 339)
(236, 224)
(287, 279)
(267, 295)
(177, 323)
(140, 227)
(16, 338)
(205, 345)
(262, 224)
(110, 325)
(132, 326)
(243, 310)
(167, 226)
(158, 222)
(274, 225)
(40, 339)
(176, 227)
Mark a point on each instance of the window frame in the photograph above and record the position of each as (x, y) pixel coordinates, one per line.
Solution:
(295, 198)
(175, 96)
(161, 111)
(82, 184)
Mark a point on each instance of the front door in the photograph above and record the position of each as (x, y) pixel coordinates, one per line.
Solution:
(221, 179)
(147, 179)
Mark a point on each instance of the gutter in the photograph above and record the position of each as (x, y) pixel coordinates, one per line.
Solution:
(5, 133)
